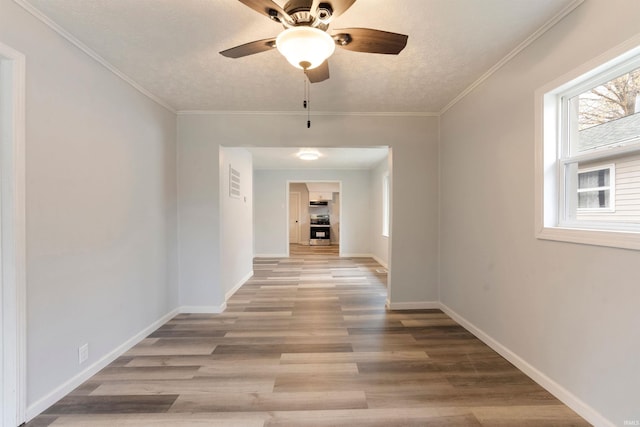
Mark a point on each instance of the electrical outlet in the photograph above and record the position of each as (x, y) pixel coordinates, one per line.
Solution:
(83, 353)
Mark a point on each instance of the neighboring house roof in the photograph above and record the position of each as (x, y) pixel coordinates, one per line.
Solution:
(612, 132)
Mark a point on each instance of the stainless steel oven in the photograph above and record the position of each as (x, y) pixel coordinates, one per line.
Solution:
(320, 235)
(320, 230)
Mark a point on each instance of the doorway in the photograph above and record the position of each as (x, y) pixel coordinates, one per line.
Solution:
(12, 235)
(314, 215)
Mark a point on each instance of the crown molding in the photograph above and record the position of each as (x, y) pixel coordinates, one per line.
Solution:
(522, 46)
(87, 50)
(304, 113)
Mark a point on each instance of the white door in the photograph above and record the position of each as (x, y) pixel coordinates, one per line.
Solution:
(294, 217)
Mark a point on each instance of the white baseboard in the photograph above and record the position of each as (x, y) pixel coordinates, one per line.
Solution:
(569, 399)
(380, 261)
(271, 256)
(42, 404)
(203, 309)
(566, 397)
(237, 286)
(422, 305)
(346, 255)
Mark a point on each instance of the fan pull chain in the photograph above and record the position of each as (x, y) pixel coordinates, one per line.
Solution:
(308, 103)
(304, 82)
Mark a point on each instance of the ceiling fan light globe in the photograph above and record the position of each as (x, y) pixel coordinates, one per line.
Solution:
(305, 47)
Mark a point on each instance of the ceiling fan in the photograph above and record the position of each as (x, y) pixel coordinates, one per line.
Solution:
(306, 43)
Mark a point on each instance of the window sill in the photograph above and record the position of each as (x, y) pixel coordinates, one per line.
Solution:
(612, 239)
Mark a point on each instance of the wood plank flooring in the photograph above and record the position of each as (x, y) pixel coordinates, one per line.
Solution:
(308, 342)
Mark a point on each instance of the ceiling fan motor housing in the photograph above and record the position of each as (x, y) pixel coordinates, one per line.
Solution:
(324, 15)
(300, 13)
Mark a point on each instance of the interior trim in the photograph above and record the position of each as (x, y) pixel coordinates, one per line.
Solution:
(86, 49)
(419, 305)
(202, 309)
(304, 113)
(564, 395)
(13, 288)
(67, 387)
(548, 25)
(380, 261)
(237, 286)
(522, 46)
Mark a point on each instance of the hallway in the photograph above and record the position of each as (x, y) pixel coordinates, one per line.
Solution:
(307, 342)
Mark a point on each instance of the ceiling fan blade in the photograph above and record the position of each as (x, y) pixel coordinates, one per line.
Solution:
(268, 8)
(319, 74)
(249, 48)
(370, 41)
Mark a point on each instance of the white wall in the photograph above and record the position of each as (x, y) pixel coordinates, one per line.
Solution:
(199, 219)
(379, 243)
(414, 142)
(101, 206)
(568, 310)
(271, 208)
(236, 223)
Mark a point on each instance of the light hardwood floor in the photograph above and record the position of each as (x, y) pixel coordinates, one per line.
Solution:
(308, 342)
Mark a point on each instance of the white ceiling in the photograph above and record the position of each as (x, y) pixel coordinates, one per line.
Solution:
(330, 158)
(170, 49)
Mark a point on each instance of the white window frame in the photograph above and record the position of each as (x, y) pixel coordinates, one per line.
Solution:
(385, 204)
(611, 167)
(551, 144)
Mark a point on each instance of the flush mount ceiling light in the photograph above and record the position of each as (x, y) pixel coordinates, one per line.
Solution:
(308, 154)
(305, 47)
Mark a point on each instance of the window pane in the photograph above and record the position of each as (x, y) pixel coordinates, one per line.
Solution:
(593, 179)
(593, 199)
(590, 151)
(607, 114)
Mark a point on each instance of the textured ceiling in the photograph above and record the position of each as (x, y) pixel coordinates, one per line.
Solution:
(330, 158)
(170, 48)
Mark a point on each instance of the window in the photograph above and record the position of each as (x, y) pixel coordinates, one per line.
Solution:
(588, 153)
(595, 190)
(385, 205)
(600, 122)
